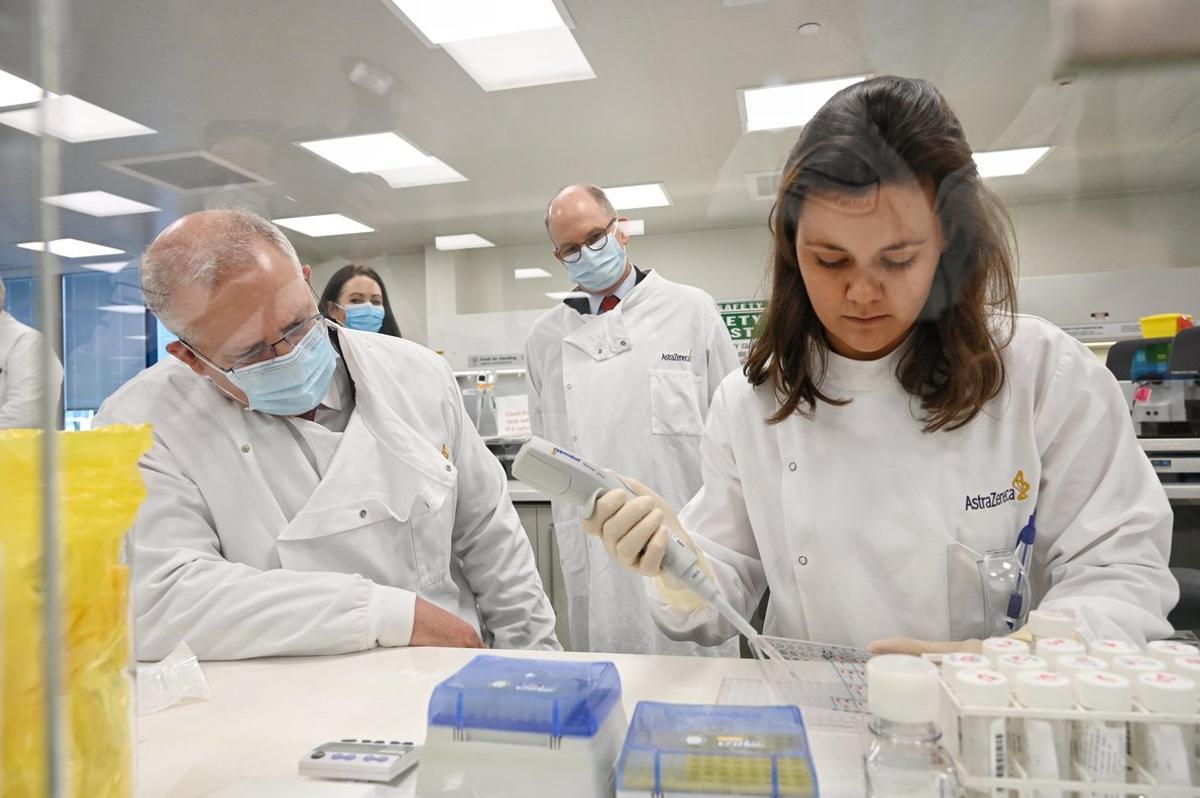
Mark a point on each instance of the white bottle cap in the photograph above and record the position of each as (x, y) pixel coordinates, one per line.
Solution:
(1051, 647)
(1050, 623)
(1044, 690)
(1072, 664)
(1168, 650)
(1103, 691)
(1107, 649)
(903, 689)
(995, 647)
(1012, 664)
(981, 688)
(1132, 667)
(1187, 666)
(961, 661)
(1166, 692)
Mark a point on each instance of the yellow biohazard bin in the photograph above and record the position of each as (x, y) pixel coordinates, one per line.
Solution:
(99, 493)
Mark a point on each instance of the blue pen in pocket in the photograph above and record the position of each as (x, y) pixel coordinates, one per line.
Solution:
(1016, 599)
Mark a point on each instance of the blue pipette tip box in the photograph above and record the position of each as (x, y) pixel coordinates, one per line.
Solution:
(559, 699)
(685, 749)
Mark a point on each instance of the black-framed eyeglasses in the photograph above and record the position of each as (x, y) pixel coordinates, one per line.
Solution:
(595, 242)
(261, 353)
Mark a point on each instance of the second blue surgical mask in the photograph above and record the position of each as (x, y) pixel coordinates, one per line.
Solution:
(364, 317)
(293, 383)
(596, 271)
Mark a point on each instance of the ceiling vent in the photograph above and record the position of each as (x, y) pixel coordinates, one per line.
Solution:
(763, 185)
(188, 171)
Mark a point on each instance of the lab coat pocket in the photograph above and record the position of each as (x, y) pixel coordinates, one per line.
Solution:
(363, 537)
(432, 534)
(675, 402)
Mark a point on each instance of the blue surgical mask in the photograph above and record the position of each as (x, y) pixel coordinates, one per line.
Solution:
(365, 317)
(596, 271)
(294, 383)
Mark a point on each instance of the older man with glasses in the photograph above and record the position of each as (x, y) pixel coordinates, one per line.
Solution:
(311, 489)
(621, 373)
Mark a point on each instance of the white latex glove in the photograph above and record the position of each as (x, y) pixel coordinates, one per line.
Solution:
(634, 529)
(634, 532)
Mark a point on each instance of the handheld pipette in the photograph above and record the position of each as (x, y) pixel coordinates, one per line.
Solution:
(568, 477)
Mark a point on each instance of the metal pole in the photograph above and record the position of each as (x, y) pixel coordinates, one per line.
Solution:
(49, 295)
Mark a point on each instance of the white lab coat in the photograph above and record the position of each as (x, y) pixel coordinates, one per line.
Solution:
(21, 395)
(849, 516)
(629, 390)
(410, 503)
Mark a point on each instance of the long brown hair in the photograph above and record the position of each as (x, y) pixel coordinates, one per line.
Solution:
(333, 290)
(886, 131)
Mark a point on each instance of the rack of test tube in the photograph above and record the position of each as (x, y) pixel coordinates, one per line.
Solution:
(828, 682)
(1106, 719)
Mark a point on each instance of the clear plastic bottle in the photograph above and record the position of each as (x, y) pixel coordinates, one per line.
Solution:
(904, 757)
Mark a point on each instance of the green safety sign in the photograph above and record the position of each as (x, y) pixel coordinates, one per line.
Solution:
(741, 318)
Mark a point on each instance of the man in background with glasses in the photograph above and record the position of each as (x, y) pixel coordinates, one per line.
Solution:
(311, 489)
(621, 373)
(22, 393)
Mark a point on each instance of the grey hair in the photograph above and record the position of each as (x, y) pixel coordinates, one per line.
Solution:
(595, 192)
(3, 293)
(223, 249)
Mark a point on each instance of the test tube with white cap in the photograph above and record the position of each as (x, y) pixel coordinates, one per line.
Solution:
(1072, 664)
(1012, 664)
(961, 661)
(1050, 624)
(1107, 649)
(1187, 666)
(1047, 743)
(984, 739)
(1050, 648)
(996, 647)
(1101, 745)
(1169, 650)
(1134, 666)
(1167, 751)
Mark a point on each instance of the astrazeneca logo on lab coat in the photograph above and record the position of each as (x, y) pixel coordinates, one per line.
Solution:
(1019, 492)
(675, 357)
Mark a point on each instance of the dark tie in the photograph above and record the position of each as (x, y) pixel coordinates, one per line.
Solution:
(608, 303)
(311, 415)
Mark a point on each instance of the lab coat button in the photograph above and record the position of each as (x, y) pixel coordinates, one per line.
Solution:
(568, 386)
(245, 448)
(792, 466)
(447, 466)
(802, 560)
(362, 513)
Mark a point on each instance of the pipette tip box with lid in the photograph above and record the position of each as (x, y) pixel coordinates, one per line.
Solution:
(517, 727)
(703, 750)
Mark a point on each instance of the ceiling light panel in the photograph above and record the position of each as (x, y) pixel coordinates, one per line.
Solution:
(72, 120)
(71, 248)
(99, 203)
(518, 60)
(791, 105)
(1005, 163)
(465, 241)
(17, 91)
(443, 21)
(325, 224)
(373, 152)
(644, 195)
(530, 274)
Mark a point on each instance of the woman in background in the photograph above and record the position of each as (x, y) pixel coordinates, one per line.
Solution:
(356, 298)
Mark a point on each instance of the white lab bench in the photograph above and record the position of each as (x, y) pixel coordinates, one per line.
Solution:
(265, 714)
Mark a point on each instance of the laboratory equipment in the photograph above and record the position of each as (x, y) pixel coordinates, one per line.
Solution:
(904, 754)
(1168, 751)
(1050, 624)
(568, 477)
(1108, 649)
(985, 739)
(1073, 723)
(829, 682)
(1167, 651)
(996, 647)
(353, 759)
(699, 750)
(514, 727)
(1051, 648)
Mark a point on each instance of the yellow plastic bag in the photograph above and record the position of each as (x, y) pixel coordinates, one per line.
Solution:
(100, 490)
